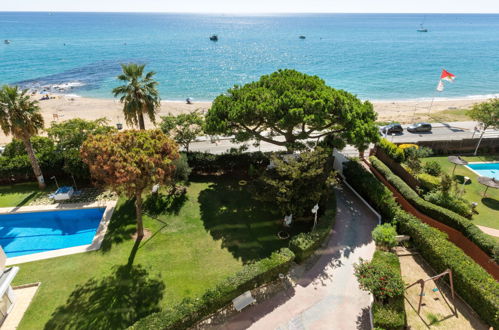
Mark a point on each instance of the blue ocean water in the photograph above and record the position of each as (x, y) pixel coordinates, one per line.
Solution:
(28, 233)
(376, 56)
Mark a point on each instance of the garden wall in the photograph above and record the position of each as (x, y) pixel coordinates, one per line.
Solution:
(446, 147)
(455, 236)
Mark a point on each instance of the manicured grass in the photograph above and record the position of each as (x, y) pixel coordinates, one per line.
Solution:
(195, 243)
(19, 194)
(488, 208)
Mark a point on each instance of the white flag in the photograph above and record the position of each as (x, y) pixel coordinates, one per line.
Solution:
(440, 86)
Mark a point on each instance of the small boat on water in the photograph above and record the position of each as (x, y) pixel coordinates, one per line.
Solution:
(6, 41)
(302, 37)
(422, 29)
(214, 37)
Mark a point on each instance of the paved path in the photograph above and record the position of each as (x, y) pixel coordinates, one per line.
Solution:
(489, 231)
(327, 295)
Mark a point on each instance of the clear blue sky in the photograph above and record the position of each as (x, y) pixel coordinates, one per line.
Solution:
(258, 6)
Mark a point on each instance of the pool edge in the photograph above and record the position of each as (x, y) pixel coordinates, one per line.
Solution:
(96, 242)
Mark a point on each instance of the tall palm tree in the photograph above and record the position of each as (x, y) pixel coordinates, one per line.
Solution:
(21, 117)
(139, 94)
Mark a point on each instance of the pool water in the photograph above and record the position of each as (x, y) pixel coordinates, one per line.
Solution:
(34, 232)
(490, 170)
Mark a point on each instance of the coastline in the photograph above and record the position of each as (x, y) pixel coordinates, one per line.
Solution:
(64, 107)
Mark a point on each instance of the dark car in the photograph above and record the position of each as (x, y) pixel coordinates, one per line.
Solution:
(419, 127)
(392, 128)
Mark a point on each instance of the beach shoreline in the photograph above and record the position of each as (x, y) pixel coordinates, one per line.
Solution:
(64, 107)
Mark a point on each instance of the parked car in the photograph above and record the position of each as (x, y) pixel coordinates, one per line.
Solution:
(419, 127)
(391, 128)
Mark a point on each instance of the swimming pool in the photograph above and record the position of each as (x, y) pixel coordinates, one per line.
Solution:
(490, 170)
(34, 232)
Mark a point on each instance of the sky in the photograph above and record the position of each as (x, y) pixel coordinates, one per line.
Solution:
(257, 6)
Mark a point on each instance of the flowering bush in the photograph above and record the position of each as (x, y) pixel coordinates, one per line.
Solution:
(383, 282)
(408, 145)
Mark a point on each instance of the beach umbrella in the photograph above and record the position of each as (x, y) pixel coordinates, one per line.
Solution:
(488, 182)
(456, 160)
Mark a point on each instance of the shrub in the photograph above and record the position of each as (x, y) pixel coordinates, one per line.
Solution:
(390, 312)
(438, 213)
(382, 281)
(205, 163)
(389, 316)
(182, 169)
(432, 168)
(451, 202)
(379, 196)
(384, 235)
(392, 150)
(428, 181)
(304, 244)
(190, 311)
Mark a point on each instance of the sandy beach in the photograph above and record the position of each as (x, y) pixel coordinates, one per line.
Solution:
(62, 108)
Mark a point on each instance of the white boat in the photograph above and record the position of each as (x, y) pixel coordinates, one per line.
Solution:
(422, 29)
(6, 41)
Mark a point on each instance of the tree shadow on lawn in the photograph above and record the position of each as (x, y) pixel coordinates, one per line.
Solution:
(121, 227)
(246, 227)
(156, 204)
(112, 302)
(491, 203)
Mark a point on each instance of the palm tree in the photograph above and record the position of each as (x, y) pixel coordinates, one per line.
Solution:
(139, 94)
(21, 117)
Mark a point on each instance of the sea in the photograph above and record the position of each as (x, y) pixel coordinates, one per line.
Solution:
(375, 56)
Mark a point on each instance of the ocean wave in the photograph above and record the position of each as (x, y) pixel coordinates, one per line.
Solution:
(436, 99)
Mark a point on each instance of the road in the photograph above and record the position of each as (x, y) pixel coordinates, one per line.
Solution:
(444, 131)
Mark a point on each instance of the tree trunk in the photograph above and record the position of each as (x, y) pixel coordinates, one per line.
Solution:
(34, 163)
(141, 121)
(138, 210)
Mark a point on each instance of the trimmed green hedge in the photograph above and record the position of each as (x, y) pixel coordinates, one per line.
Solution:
(477, 287)
(203, 162)
(428, 181)
(448, 217)
(379, 196)
(190, 311)
(472, 282)
(390, 316)
(392, 150)
(304, 244)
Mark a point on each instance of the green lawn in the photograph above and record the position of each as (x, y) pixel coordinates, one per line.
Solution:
(488, 208)
(19, 194)
(194, 244)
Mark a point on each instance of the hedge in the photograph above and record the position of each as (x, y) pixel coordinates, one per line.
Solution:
(477, 287)
(448, 217)
(190, 311)
(472, 282)
(203, 162)
(428, 181)
(304, 244)
(390, 316)
(392, 150)
(379, 196)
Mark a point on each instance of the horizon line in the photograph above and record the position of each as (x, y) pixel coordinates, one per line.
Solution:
(243, 13)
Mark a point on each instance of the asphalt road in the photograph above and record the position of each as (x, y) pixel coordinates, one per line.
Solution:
(450, 131)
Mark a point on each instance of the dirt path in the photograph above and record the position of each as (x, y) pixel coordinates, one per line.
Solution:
(327, 295)
(438, 309)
